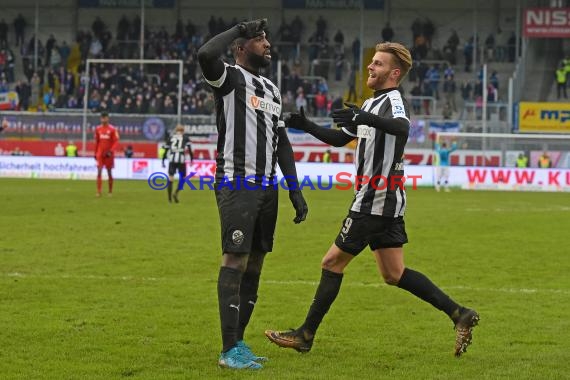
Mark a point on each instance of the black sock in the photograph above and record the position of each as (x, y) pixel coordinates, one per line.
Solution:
(327, 291)
(228, 300)
(169, 190)
(248, 297)
(420, 286)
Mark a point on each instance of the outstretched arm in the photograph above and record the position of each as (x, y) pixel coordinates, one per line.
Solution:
(397, 126)
(329, 136)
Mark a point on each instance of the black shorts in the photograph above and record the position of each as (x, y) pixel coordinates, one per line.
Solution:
(247, 218)
(359, 230)
(180, 167)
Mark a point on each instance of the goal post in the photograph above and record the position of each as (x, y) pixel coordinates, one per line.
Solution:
(501, 149)
(141, 62)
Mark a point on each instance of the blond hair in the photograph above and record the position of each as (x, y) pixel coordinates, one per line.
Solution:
(401, 56)
(179, 128)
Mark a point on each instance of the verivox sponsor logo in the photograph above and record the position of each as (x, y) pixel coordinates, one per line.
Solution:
(340, 181)
(265, 105)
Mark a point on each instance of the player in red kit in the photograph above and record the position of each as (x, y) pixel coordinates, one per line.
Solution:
(106, 140)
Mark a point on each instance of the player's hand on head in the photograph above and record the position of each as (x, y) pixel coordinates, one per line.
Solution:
(253, 28)
(301, 208)
(347, 116)
(297, 120)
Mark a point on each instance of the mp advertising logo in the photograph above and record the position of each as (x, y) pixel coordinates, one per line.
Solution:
(341, 181)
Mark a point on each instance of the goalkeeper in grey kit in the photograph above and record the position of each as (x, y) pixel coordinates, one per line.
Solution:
(376, 216)
(251, 141)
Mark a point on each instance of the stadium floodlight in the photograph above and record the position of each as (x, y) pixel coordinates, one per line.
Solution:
(141, 62)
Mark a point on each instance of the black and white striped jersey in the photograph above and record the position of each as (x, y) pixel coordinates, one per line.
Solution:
(379, 157)
(175, 147)
(248, 108)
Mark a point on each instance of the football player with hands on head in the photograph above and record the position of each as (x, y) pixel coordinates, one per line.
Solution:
(376, 216)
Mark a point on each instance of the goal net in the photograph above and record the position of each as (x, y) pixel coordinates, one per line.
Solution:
(539, 162)
(154, 74)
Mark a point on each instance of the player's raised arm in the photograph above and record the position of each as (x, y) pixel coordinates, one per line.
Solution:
(209, 55)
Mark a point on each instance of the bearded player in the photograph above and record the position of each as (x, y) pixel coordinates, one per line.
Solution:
(106, 140)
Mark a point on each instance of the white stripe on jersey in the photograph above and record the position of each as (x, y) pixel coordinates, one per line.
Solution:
(380, 196)
(229, 109)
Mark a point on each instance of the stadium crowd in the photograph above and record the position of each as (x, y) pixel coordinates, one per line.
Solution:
(59, 81)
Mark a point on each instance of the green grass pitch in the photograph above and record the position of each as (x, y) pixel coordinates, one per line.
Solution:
(125, 287)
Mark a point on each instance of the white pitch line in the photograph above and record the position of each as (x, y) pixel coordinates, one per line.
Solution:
(281, 282)
(379, 285)
(82, 277)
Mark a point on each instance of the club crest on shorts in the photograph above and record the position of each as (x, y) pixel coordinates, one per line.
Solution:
(237, 237)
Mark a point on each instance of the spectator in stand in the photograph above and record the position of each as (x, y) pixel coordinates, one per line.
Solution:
(561, 79)
(59, 150)
(338, 63)
(20, 29)
(339, 39)
(453, 43)
(522, 161)
(494, 79)
(351, 87)
(3, 34)
(24, 92)
(300, 101)
(449, 90)
(321, 27)
(35, 90)
(428, 30)
(447, 112)
(416, 92)
(511, 47)
(544, 161)
(356, 52)
(466, 89)
(427, 93)
(490, 47)
(321, 104)
(387, 33)
(129, 152)
(433, 77)
(468, 54)
(297, 28)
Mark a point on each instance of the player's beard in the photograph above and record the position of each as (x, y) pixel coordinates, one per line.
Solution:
(379, 82)
(256, 60)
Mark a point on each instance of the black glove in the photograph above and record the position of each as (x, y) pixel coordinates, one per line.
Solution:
(298, 121)
(252, 29)
(108, 153)
(350, 116)
(300, 205)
